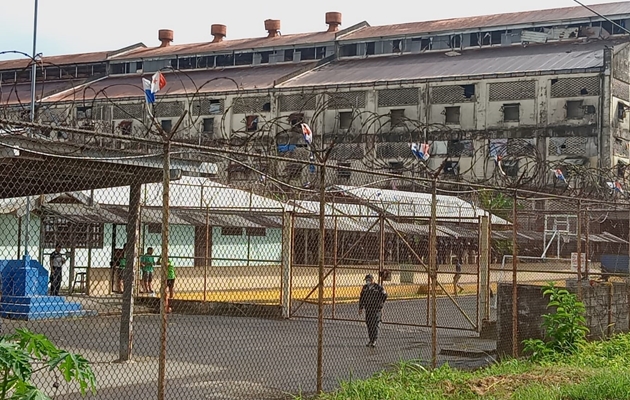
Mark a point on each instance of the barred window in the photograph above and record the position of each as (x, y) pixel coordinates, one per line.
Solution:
(58, 230)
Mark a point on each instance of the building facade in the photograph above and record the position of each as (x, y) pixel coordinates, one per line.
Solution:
(541, 90)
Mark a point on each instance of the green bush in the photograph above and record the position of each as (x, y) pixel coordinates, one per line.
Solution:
(25, 353)
(565, 328)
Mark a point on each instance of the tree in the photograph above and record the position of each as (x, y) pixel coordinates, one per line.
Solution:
(25, 353)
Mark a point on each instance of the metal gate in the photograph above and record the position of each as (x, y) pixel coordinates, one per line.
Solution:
(396, 252)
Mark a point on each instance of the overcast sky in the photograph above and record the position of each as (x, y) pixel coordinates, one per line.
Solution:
(76, 26)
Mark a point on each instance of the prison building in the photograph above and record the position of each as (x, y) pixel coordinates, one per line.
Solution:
(540, 88)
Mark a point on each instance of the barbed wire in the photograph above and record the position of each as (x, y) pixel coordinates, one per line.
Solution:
(376, 142)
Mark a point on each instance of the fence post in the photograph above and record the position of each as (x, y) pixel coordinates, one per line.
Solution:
(484, 273)
(164, 268)
(287, 251)
(206, 256)
(579, 250)
(130, 272)
(514, 277)
(433, 273)
(320, 288)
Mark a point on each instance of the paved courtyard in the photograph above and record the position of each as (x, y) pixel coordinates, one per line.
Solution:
(216, 357)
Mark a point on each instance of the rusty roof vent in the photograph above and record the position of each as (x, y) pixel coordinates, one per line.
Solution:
(219, 32)
(333, 19)
(165, 36)
(273, 27)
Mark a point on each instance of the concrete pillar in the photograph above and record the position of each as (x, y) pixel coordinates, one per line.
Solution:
(131, 269)
(287, 253)
(484, 273)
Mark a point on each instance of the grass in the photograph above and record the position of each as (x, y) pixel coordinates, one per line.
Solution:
(600, 371)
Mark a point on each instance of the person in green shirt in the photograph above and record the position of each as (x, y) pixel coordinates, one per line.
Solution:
(147, 264)
(170, 283)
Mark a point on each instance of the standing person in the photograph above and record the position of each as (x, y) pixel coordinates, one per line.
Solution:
(372, 298)
(170, 284)
(457, 288)
(56, 267)
(147, 264)
(120, 273)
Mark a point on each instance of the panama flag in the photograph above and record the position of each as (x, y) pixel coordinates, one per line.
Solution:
(558, 173)
(307, 133)
(498, 163)
(618, 187)
(421, 151)
(153, 86)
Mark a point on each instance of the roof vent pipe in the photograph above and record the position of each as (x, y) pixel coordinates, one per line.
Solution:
(273, 27)
(165, 36)
(219, 32)
(333, 19)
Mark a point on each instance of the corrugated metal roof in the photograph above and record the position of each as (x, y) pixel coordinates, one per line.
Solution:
(84, 213)
(310, 39)
(191, 192)
(198, 81)
(14, 94)
(418, 205)
(500, 60)
(556, 15)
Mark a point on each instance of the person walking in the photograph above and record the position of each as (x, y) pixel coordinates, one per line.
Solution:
(372, 298)
(457, 288)
(170, 284)
(56, 267)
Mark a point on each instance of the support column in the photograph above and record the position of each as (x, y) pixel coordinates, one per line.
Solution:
(287, 253)
(484, 273)
(131, 270)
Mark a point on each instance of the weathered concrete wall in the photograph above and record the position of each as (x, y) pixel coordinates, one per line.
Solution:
(606, 312)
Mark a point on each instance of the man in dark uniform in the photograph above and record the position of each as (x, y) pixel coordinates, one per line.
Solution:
(56, 264)
(372, 298)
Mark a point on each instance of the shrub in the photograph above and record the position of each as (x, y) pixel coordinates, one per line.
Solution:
(565, 328)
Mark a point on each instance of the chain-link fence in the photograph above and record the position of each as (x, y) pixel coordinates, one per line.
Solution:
(185, 286)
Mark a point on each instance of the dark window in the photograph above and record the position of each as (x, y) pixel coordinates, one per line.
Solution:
(370, 48)
(496, 36)
(208, 125)
(456, 41)
(396, 167)
(349, 50)
(425, 44)
(485, 38)
(396, 46)
(451, 168)
(345, 120)
(167, 125)
(231, 231)
(469, 91)
(397, 117)
(266, 107)
(84, 112)
(575, 110)
(69, 234)
(307, 53)
(510, 167)
(264, 56)
(205, 62)
(622, 109)
(342, 171)
(452, 115)
(52, 73)
(511, 112)
(251, 123)
(154, 228)
(125, 127)
(474, 39)
(226, 60)
(321, 52)
(244, 59)
(296, 119)
(187, 62)
(288, 55)
(118, 68)
(256, 232)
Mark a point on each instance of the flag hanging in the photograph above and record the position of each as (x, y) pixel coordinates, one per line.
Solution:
(618, 187)
(157, 83)
(558, 173)
(420, 151)
(307, 133)
(498, 163)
